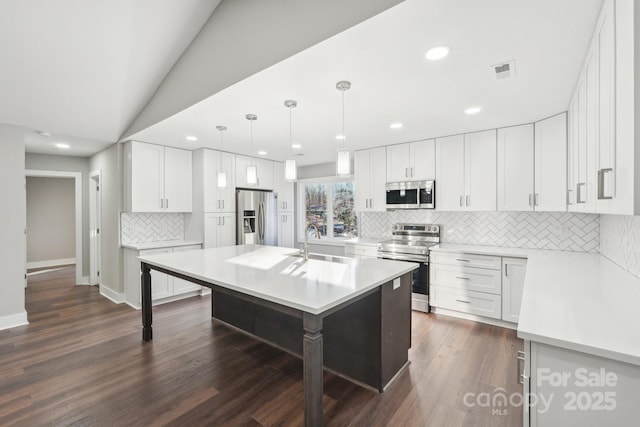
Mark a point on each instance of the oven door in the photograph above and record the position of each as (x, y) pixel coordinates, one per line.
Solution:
(419, 281)
(402, 198)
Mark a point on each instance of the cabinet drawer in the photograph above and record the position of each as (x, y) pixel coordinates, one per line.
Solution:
(361, 251)
(466, 278)
(466, 260)
(477, 303)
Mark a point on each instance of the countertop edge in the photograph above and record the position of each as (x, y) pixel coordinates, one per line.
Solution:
(160, 245)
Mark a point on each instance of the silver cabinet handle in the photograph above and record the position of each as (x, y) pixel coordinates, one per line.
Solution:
(461, 300)
(569, 191)
(222, 204)
(219, 221)
(161, 203)
(467, 200)
(463, 278)
(223, 221)
(520, 372)
(506, 270)
(166, 203)
(460, 201)
(406, 172)
(601, 174)
(536, 199)
(579, 188)
(412, 171)
(218, 204)
(530, 199)
(463, 260)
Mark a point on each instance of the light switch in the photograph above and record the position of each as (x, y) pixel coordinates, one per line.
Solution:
(396, 283)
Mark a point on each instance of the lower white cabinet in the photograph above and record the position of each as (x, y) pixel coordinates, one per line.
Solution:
(219, 230)
(571, 388)
(360, 251)
(285, 230)
(164, 288)
(513, 271)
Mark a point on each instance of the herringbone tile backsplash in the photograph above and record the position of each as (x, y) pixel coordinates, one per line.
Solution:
(536, 230)
(620, 241)
(151, 227)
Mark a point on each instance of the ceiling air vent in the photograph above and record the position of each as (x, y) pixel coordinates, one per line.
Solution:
(505, 70)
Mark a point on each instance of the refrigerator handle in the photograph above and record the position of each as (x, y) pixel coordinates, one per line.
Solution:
(260, 222)
(263, 221)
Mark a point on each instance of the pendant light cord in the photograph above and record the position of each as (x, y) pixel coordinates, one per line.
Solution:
(290, 132)
(344, 136)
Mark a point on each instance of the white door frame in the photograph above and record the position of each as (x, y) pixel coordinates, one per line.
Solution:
(77, 176)
(95, 225)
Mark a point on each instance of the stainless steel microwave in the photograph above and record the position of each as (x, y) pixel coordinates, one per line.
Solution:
(411, 195)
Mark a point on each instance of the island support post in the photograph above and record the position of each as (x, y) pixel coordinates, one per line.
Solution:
(312, 353)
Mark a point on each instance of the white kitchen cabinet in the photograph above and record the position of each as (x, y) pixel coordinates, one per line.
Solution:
(515, 175)
(157, 178)
(578, 389)
(414, 161)
(219, 230)
(218, 199)
(450, 173)
(283, 188)
(370, 180)
(550, 164)
(164, 288)
(264, 171)
(360, 251)
(572, 150)
(285, 229)
(466, 172)
(513, 272)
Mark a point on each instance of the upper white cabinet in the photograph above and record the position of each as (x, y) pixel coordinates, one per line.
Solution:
(550, 164)
(370, 179)
(466, 172)
(515, 169)
(283, 188)
(158, 179)
(264, 168)
(414, 161)
(217, 199)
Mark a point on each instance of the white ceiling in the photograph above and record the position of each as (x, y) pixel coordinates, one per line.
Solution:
(392, 81)
(83, 70)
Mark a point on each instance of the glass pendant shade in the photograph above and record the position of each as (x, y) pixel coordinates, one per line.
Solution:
(343, 162)
(290, 170)
(252, 174)
(222, 179)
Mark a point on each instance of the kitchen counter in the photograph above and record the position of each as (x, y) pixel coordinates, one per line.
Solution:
(275, 274)
(575, 300)
(159, 245)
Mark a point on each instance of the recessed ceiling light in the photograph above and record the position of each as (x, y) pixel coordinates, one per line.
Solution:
(472, 110)
(341, 137)
(61, 146)
(262, 153)
(395, 125)
(296, 146)
(192, 138)
(437, 53)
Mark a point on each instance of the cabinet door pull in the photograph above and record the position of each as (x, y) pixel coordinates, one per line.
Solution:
(569, 191)
(520, 363)
(218, 204)
(166, 203)
(467, 200)
(460, 201)
(579, 187)
(161, 203)
(462, 259)
(222, 204)
(222, 220)
(530, 199)
(412, 171)
(601, 174)
(506, 270)
(461, 300)
(406, 172)
(462, 278)
(536, 199)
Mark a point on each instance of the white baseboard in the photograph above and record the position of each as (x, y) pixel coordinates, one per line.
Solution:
(13, 320)
(111, 295)
(481, 319)
(84, 281)
(51, 263)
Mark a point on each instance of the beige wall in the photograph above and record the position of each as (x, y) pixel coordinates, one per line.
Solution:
(12, 225)
(109, 162)
(68, 164)
(51, 219)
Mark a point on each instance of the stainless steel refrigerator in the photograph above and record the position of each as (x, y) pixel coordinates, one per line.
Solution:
(256, 218)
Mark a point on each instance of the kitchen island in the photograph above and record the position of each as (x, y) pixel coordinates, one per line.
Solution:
(350, 316)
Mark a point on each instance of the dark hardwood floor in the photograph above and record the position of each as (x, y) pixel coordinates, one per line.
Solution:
(81, 362)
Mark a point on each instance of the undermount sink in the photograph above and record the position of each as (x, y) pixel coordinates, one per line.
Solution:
(328, 258)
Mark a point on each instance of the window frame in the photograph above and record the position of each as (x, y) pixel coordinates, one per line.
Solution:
(301, 214)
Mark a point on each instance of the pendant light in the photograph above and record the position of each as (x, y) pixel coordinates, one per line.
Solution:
(343, 159)
(222, 175)
(290, 169)
(252, 170)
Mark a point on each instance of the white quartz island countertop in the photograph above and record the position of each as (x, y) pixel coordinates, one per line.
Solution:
(576, 300)
(162, 244)
(275, 274)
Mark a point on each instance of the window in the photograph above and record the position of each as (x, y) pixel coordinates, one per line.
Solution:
(328, 209)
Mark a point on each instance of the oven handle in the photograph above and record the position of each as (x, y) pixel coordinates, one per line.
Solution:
(401, 258)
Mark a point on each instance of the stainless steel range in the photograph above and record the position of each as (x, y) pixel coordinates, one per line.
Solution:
(411, 243)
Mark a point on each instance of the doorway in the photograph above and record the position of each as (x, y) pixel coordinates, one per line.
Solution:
(95, 212)
(77, 177)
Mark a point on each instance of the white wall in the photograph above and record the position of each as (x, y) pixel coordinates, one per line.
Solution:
(109, 161)
(51, 228)
(68, 164)
(620, 241)
(12, 225)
